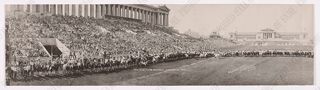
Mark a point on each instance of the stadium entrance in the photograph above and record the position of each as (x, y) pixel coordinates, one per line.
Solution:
(54, 47)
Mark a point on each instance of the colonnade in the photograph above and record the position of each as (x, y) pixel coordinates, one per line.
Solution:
(145, 13)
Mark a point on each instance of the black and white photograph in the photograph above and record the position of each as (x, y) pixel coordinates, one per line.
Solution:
(159, 44)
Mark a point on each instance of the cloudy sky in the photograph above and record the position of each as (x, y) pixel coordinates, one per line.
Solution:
(206, 18)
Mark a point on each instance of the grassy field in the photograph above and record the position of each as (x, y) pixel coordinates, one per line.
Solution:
(205, 71)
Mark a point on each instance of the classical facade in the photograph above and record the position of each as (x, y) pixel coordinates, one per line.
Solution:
(156, 15)
(268, 35)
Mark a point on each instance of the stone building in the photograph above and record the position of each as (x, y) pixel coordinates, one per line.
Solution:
(267, 35)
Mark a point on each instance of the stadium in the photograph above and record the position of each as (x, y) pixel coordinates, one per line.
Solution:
(120, 44)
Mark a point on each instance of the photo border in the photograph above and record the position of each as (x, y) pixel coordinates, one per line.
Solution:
(184, 87)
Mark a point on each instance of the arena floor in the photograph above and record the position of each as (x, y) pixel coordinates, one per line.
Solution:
(205, 71)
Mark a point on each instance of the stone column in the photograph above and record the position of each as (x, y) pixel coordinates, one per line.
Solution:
(79, 10)
(161, 19)
(76, 10)
(43, 8)
(112, 10)
(48, 8)
(86, 12)
(98, 11)
(152, 18)
(164, 19)
(103, 10)
(120, 10)
(57, 9)
(138, 13)
(155, 17)
(70, 9)
(52, 9)
(24, 8)
(115, 10)
(92, 10)
(28, 8)
(32, 8)
(73, 10)
(63, 10)
(133, 13)
(89, 10)
(273, 35)
(19, 8)
(127, 12)
(147, 17)
(40, 8)
(142, 16)
(83, 10)
(67, 8)
(109, 9)
(167, 19)
(123, 11)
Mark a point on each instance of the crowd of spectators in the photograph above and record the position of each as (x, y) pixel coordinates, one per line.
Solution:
(92, 36)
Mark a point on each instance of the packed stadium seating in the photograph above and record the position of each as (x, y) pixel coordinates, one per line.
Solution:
(92, 37)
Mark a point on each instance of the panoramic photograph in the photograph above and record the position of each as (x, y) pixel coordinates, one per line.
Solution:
(159, 44)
